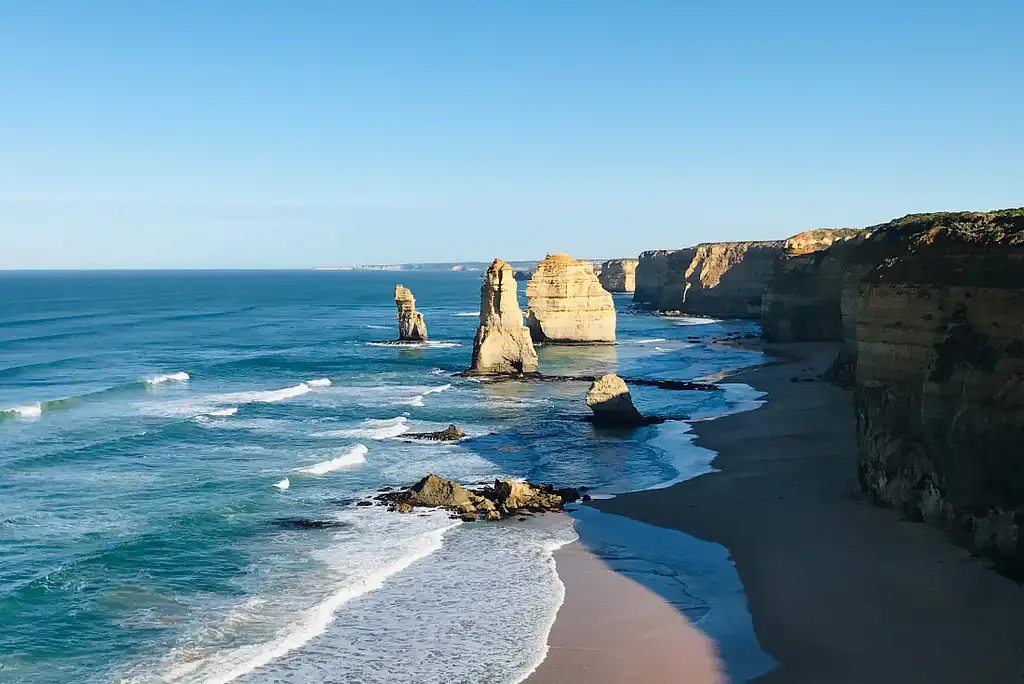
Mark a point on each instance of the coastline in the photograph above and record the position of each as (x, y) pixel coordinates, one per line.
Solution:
(839, 590)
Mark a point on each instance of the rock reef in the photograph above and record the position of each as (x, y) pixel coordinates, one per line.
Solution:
(452, 433)
(939, 393)
(619, 275)
(505, 498)
(567, 304)
(609, 399)
(502, 345)
(411, 326)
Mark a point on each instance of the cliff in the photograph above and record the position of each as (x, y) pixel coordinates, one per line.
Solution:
(502, 344)
(567, 303)
(939, 393)
(411, 326)
(651, 271)
(619, 275)
(802, 297)
(724, 278)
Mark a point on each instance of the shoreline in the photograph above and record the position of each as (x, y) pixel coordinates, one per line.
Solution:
(839, 590)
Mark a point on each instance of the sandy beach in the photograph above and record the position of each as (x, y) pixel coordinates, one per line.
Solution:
(839, 589)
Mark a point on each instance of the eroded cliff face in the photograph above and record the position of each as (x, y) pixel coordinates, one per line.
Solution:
(619, 275)
(502, 345)
(802, 300)
(939, 392)
(651, 270)
(567, 304)
(725, 278)
(411, 326)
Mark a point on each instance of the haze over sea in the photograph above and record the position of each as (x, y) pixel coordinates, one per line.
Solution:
(145, 418)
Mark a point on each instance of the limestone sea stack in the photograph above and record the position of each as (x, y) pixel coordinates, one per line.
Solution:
(411, 327)
(502, 345)
(567, 304)
(619, 275)
(609, 399)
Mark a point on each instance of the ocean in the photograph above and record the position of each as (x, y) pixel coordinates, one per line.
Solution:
(148, 421)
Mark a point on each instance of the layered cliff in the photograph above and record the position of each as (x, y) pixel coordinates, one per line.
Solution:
(649, 277)
(502, 344)
(619, 275)
(939, 395)
(567, 303)
(802, 297)
(725, 278)
(411, 326)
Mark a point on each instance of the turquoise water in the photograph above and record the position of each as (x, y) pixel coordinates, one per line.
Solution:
(146, 417)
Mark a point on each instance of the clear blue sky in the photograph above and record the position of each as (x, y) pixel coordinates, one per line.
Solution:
(252, 133)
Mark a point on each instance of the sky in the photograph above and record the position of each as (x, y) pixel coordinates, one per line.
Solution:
(276, 134)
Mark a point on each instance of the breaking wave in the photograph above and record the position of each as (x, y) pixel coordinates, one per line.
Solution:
(354, 456)
(180, 376)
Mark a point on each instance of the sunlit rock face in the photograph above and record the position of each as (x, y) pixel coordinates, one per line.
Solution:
(502, 345)
(567, 304)
(411, 326)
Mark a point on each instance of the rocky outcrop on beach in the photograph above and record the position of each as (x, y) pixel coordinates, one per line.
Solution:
(939, 391)
(452, 433)
(802, 297)
(502, 345)
(503, 499)
(411, 327)
(567, 304)
(619, 275)
(609, 399)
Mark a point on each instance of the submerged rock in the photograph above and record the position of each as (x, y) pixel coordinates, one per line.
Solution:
(452, 433)
(504, 499)
(411, 326)
(567, 303)
(609, 399)
(502, 345)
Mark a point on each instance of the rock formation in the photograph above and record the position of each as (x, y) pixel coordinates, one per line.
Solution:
(802, 297)
(452, 433)
(651, 272)
(939, 390)
(411, 327)
(609, 399)
(505, 499)
(619, 275)
(712, 279)
(567, 303)
(502, 345)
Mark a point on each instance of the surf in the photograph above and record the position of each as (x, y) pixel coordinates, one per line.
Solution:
(354, 456)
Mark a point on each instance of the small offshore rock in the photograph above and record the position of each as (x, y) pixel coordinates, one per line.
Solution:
(411, 326)
(609, 399)
(364, 503)
(452, 433)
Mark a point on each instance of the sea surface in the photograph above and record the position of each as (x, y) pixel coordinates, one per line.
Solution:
(149, 422)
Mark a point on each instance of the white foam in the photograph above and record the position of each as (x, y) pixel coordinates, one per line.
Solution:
(441, 345)
(28, 411)
(372, 429)
(180, 376)
(322, 382)
(467, 313)
(430, 344)
(650, 341)
(354, 456)
(313, 621)
(412, 401)
(379, 327)
(283, 484)
(222, 413)
(440, 388)
(693, 320)
(437, 371)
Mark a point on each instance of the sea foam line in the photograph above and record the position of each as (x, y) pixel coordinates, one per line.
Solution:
(28, 411)
(317, 619)
(354, 456)
(180, 376)
(372, 429)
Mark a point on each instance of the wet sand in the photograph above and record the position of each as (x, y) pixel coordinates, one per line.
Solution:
(839, 590)
(612, 629)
